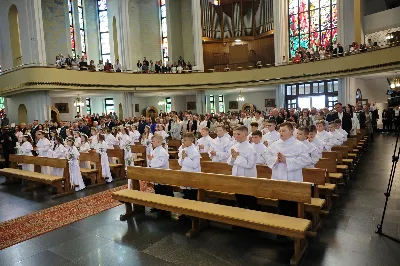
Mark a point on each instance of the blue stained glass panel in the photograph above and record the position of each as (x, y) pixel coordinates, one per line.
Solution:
(103, 21)
(294, 45)
(102, 4)
(304, 41)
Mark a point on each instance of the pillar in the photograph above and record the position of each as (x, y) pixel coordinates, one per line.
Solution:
(357, 21)
(124, 49)
(280, 96)
(41, 106)
(281, 30)
(197, 35)
(200, 102)
(128, 105)
(37, 49)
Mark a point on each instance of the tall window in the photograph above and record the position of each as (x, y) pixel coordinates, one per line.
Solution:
(311, 22)
(109, 105)
(88, 106)
(103, 27)
(316, 94)
(1, 103)
(221, 103)
(82, 27)
(212, 104)
(164, 33)
(168, 104)
(71, 27)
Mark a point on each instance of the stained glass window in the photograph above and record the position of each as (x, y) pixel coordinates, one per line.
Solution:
(164, 31)
(71, 27)
(103, 28)
(82, 28)
(311, 23)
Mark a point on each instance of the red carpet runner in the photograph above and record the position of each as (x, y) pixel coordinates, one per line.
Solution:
(32, 225)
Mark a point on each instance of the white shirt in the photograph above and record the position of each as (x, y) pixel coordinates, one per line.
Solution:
(117, 66)
(327, 138)
(313, 153)
(261, 150)
(43, 147)
(245, 162)
(191, 163)
(340, 115)
(111, 141)
(271, 137)
(206, 142)
(221, 146)
(160, 158)
(297, 158)
(134, 135)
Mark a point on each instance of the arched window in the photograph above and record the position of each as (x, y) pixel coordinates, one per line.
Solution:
(164, 32)
(82, 27)
(311, 22)
(103, 28)
(71, 27)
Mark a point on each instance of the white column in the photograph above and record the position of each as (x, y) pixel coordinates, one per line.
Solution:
(128, 105)
(280, 96)
(197, 35)
(36, 35)
(123, 34)
(41, 103)
(347, 90)
(281, 30)
(345, 22)
(200, 102)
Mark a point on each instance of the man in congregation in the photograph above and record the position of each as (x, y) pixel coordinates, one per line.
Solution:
(343, 116)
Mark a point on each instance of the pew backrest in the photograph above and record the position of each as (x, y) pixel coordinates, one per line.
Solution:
(138, 149)
(205, 157)
(328, 164)
(90, 157)
(40, 161)
(258, 187)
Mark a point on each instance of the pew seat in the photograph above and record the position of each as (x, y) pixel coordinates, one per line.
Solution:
(88, 171)
(273, 223)
(32, 176)
(116, 165)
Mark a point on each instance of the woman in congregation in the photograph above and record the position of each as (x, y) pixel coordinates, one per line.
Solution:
(52, 138)
(146, 140)
(18, 134)
(85, 147)
(59, 152)
(355, 123)
(74, 169)
(304, 119)
(176, 128)
(26, 149)
(42, 148)
(101, 148)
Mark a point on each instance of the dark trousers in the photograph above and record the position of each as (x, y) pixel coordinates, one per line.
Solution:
(386, 126)
(247, 202)
(287, 208)
(190, 194)
(163, 190)
(6, 155)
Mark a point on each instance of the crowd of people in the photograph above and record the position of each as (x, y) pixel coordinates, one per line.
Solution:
(145, 66)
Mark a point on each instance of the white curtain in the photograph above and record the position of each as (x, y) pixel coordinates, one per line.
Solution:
(281, 30)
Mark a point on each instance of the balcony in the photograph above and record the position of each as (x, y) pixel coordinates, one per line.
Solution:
(33, 78)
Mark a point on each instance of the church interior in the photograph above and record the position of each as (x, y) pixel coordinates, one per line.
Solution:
(199, 132)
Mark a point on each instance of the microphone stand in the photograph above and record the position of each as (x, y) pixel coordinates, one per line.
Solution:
(395, 159)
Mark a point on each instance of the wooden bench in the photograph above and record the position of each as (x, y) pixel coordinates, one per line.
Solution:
(338, 157)
(140, 151)
(95, 174)
(329, 189)
(205, 157)
(173, 146)
(61, 183)
(316, 176)
(200, 211)
(118, 169)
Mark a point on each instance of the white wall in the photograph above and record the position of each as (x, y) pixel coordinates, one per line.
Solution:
(70, 116)
(382, 21)
(255, 98)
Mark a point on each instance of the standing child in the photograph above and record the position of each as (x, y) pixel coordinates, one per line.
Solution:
(219, 150)
(189, 159)
(259, 147)
(42, 148)
(253, 128)
(243, 161)
(324, 136)
(302, 136)
(125, 143)
(272, 135)
(101, 148)
(336, 137)
(59, 152)
(204, 143)
(85, 147)
(146, 140)
(316, 141)
(74, 170)
(93, 139)
(26, 149)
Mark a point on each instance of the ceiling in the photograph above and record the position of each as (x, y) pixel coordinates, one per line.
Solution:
(382, 75)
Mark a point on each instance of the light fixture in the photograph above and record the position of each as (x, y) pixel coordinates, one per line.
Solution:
(161, 102)
(78, 102)
(395, 83)
(238, 40)
(240, 98)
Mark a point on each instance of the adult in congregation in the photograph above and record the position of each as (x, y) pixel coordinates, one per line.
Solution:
(343, 116)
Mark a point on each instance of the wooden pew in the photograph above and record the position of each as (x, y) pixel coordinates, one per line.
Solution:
(173, 146)
(316, 176)
(95, 174)
(329, 189)
(140, 151)
(118, 168)
(338, 157)
(295, 228)
(35, 177)
(205, 157)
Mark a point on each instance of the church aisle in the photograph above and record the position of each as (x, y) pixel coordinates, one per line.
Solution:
(346, 238)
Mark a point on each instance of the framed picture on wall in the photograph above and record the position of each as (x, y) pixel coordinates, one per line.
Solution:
(191, 105)
(269, 102)
(62, 107)
(136, 107)
(233, 105)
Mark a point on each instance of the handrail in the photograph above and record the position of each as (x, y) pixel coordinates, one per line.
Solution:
(394, 44)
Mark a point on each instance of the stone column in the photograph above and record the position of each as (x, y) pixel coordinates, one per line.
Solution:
(280, 96)
(346, 20)
(281, 28)
(42, 106)
(123, 35)
(200, 102)
(37, 53)
(197, 35)
(128, 105)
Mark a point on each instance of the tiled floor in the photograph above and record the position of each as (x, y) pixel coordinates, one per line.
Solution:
(346, 238)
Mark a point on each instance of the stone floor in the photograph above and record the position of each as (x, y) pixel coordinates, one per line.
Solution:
(346, 238)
